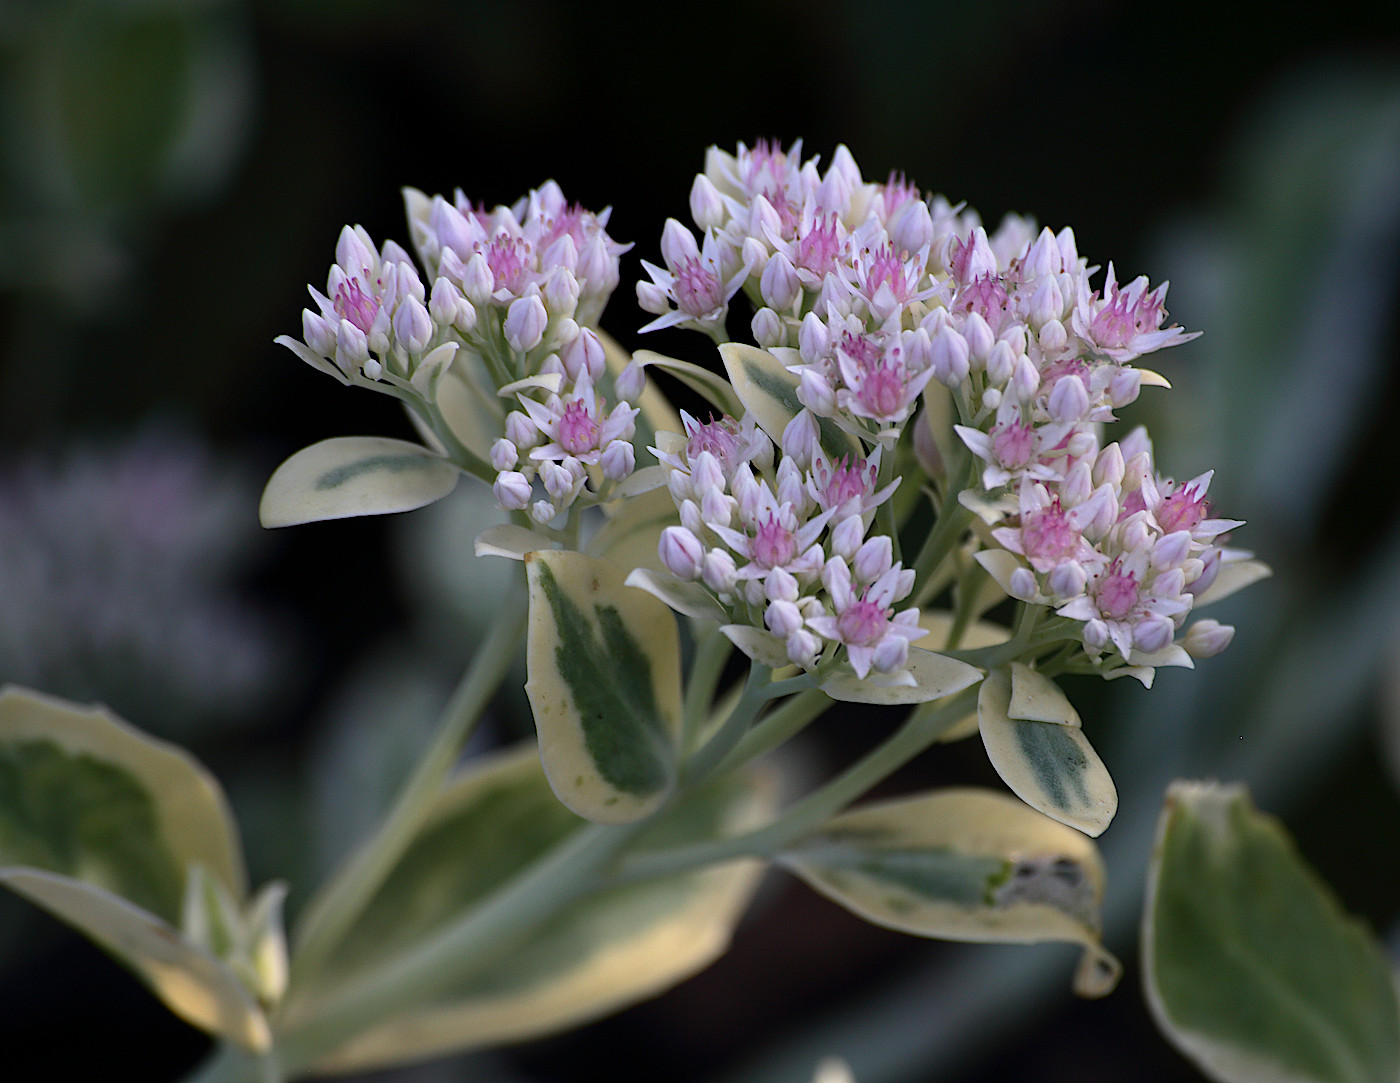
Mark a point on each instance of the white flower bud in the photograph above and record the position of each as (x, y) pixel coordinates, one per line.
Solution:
(1172, 550)
(354, 251)
(444, 301)
(891, 653)
(873, 558)
(706, 204)
(800, 438)
(561, 292)
(978, 334)
(525, 323)
(911, 228)
(754, 253)
(718, 571)
(780, 585)
(847, 536)
(1025, 381)
(351, 345)
(521, 431)
(815, 392)
(1001, 365)
(1046, 304)
(706, 472)
(949, 358)
(1052, 337)
(477, 280)
(543, 512)
(558, 482)
(779, 287)
(584, 354)
(372, 369)
(680, 550)
(803, 648)
(512, 490)
(813, 340)
(991, 398)
(1207, 638)
(318, 333)
(1124, 387)
(1069, 399)
(1068, 580)
(413, 327)
(1153, 632)
(1022, 584)
(716, 508)
(767, 328)
(1096, 634)
(504, 455)
(1108, 467)
(782, 618)
(652, 298)
(619, 460)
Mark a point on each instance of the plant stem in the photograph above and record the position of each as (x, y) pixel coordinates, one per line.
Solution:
(335, 910)
(917, 733)
(953, 519)
(755, 695)
(777, 727)
(705, 672)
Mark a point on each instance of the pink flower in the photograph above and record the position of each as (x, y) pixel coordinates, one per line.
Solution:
(865, 623)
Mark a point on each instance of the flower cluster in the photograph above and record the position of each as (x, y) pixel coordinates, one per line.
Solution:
(874, 298)
(515, 298)
(786, 549)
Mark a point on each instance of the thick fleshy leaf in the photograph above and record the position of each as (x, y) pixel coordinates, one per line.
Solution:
(354, 475)
(84, 794)
(189, 981)
(1051, 767)
(101, 825)
(688, 598)
(1037, 698)
(769, 392)
(762, 647)
(1234, 575)
(935, 675)
(963, 864)
(604, 683)
(606, 952)
(1250, 964)
(475, 416)
(713, 387)
(939, 625)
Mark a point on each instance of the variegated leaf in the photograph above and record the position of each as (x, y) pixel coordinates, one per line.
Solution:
(354, 475)
(769, 392)
(1050, 766)
(963, 864)
(713, 387)
(934, 676)
(604, 683)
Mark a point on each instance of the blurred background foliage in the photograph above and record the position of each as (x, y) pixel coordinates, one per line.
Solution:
(172, 174)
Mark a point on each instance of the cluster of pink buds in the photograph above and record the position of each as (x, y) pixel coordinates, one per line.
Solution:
(786, 550)
(373, 321)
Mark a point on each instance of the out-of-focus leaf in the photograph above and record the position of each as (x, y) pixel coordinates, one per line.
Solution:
(935, 675)
(1050, 766)
(1251, 966)
(604, 683)
(939, 625)
(688, 598)
(657, 414)
(769, 392)
(476, 417)
(610, 950)
(963, 864)
(101, 825)
(354, 475)
(631, 536)
(509, 540)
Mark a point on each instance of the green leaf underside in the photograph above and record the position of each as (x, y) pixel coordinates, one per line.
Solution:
(779, 387)
(608, 950)
(1251, 965)
(610, 681)
(1058, 762)
(79, 816)
(392, 464)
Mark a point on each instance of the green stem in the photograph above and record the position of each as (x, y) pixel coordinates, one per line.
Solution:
(800, 818)
(332, 914)
(700, 685)
(776, 728)
(480, 937)
(953, 519)
(755, 695)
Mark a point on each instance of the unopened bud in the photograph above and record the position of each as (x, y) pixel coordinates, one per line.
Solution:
(706, 204)
(525, 323)
(512, 490)
(680, 550)
(767, 328)
(1207, 638)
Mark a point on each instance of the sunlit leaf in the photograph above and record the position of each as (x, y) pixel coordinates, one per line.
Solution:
(1250, 964)
(688, 598)
(608, 951)
(961, 864)
(604, 683)
(1052, 767)
(354, 475)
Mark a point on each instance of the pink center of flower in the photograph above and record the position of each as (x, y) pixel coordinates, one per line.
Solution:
(766, 157)
(789, 213)
(1123, 317)
(1181, 511)
(847, 482)
(882, 389)
(773, 545)
(506, 256)
(570, 222)
(1013, 444)
(720, 438)
(818, 249)
(886, 267)
(698, 290)
(1117, 594)
(898, 191)
(578, 429)
(1046, 535)
(985, 296)
(354, 304)
(862, 624)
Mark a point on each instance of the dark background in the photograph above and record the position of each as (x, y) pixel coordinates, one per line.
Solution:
(172, 174)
